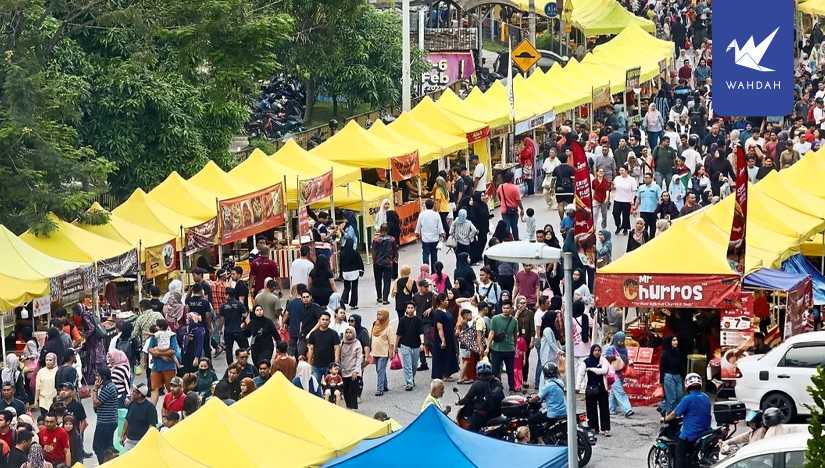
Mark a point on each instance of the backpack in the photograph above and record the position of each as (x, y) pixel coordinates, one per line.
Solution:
(131, 348)
(469, 187)
(491, 401)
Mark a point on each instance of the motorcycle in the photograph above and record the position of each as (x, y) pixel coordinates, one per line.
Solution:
(520, 411)
(663, 452)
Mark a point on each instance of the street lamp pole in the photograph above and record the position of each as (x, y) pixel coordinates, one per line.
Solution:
(406, 83)
(569, 366)
(531, 21)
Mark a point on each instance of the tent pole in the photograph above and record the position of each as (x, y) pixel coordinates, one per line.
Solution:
(3, 328)
(218, 221)
(364, 214)
(139, 276)
(569, 367)
(288, 224)
(182, 257)
(822, 258)
(332, 197)
(392, 192)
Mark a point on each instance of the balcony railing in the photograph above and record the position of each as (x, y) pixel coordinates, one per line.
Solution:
(444, 39)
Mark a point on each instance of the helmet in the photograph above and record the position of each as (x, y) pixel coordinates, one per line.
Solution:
(693, 379)
(754, 417)
(484, 368)
(771, 417)
(550, 370)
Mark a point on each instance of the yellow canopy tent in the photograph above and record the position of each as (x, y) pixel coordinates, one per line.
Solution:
(806, 174)
(214, 179)
(634, 47)
(411, 128)
(473, 107)
(25, 271)
(349, 197)
(777, 187)
(576, 72)
(355, 146)
(141, 210)
(121, 230)
(524, 103)
(74, 244)
(281, 405)
(812, 7)
(222, 437)
(534, 88)
(604, 17)
(426, 151)
(813, 247)
(177, 194)
(566, 90)
(434, 116)
(261, 171)
(310, 165)
(155, 451)
(607, 72)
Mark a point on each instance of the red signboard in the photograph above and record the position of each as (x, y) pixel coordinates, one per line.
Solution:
(689, 291)
(409, 218)
(797, 317)
(405, 167)
(736, 245)
(736, 325)
(201, 236)
(247, 215)
(584, 232)
(478, 135)
(303, 222)
(641, 386)
(316, 188)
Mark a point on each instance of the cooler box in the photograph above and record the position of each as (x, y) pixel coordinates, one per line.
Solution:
(729, 412)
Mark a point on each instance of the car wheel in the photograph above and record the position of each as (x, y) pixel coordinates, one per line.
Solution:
(782, 402)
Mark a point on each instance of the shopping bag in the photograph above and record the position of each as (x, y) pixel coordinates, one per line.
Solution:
(395, 363)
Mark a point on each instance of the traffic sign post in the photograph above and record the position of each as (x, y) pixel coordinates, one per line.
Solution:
(551, 10)
(525, 56)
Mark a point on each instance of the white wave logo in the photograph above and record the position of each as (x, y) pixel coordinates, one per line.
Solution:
(751, 54)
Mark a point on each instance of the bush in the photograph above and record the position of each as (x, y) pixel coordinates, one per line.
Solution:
(815, 457)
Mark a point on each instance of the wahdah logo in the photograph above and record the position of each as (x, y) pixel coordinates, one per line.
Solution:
(753, 57)
(643, 290)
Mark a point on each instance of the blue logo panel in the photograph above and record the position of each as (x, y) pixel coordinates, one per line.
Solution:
(753, 57)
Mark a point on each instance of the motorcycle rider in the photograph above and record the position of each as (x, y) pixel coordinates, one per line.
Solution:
(753, 419)
(694, 409)
(772, 420)
(552, 393)
(484, 396)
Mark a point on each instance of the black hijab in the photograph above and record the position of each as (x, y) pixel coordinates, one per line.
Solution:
(53, 345)
(581, 281)
(361, 332)
(590, 360)
(673, 360)
(393, 224)
(578, 311)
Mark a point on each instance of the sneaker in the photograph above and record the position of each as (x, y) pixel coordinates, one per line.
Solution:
(408, 388)
(353, 308)
(422, 367)
(629, 413)
(379, 393)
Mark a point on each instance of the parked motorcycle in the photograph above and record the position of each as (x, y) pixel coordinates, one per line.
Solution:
(663, 452)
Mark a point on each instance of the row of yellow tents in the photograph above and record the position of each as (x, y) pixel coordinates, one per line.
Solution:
(786, 211)
(277, 425)
(594, 17)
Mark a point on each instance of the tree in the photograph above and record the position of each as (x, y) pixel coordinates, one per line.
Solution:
(815, 457)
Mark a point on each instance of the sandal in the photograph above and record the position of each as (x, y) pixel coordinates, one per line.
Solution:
(465, 382)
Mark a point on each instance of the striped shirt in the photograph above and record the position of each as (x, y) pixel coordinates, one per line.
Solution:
(464, 233)
(107, 411)
(122, 378)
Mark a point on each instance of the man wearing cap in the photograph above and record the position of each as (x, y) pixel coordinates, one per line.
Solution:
(173, 401)
(68, 396)
(141, 414)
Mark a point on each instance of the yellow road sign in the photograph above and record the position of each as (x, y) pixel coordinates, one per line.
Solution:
(525, 55)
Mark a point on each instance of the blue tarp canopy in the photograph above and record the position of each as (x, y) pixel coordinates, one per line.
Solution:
(774, 280)
(798, 264)
(434, 440)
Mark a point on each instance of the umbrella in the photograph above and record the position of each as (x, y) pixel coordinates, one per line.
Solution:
(523, 252)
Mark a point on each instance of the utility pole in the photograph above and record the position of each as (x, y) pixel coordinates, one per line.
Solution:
(406, 83)
(532, 21)
(421, 12)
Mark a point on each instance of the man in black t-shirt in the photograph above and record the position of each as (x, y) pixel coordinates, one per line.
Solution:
(241, 289)
(156, 303)
(139, 417)
(68, 397)
(323, 347)
(564, 174)
(19, 454)
(410, 333)
(424, 301)
(10, 400)
(233, 313)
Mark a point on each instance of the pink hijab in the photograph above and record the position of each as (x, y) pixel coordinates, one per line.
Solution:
(118, 358)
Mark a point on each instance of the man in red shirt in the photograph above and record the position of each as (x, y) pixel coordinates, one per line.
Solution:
(6, 432)
(509, 196)
(685, 73)
(260, 269)
(173, 401)
(601, 197)
(527, 157)
(55, 442)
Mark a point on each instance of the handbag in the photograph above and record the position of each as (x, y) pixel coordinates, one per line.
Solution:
(467, 338)
(592, 391)
(395, 362)
(451, 242)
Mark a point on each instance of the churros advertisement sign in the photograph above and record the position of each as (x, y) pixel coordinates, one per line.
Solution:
(642, 290)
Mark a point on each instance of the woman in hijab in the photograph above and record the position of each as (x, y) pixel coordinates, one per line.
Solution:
(321, 281)
(350, 231)
(121, 374)
(638, 236)
(464, 276)
(352, 358)
(550, 237)
(549, 351)
(581, 340)
(580, 288)
(464, 233)
(206, 376)
(173, 311)
(441, 195)
(604, 248)
(45, 391)
(394, 231)
(598, 414)
(175, 286)
(672, 371)
(502, 232)
(127, 344)
(36, 458)
(381, 215)
(666, 209)
(11, 374)
(444, 350)
(383, 347)
(352, 267)
(305, 380)
(480, 217)
(53, 345)
(616, 355)
(263, 335)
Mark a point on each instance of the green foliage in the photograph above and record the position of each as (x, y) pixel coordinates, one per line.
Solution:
(815, 457)
(263, 144)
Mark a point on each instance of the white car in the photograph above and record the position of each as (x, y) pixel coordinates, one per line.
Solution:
(780, 379)
(784, 451)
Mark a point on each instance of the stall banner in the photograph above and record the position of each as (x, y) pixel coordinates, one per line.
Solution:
(478, 135)
(303, 222)
(408, 213)
(519, 180)
(70, 286)
(584, 232)
(446, 68)
(601, 96)
(662, 65)
(641, 384)
(316, 189)
(247, 215)
(405, 167)
(160, 259)
(632, 79)
(737, 322)
(116, 267)
(688, 291)
(41, 306)
(797, 313)
(200, 237)
(736, 244)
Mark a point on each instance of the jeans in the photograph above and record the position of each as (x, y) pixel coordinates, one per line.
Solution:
(650, 223)
(512, 221)
(429, 253)
(653, 138)
(319, 373)
(409, 361)
(672, 384)
(350, 294)
(600, 209)
(497, 358)
(381, 370)
(618, 397)
(621, 215)
(383, 278)
(104, 439)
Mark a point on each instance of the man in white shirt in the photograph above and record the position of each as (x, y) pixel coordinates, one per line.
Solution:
(479, 175)
(430, 230)
(819, 112)
(300, 268)
(690, 155)
(820, 93)
(550, 162)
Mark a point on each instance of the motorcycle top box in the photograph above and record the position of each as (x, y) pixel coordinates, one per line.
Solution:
(514, 406)
(729, 412)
